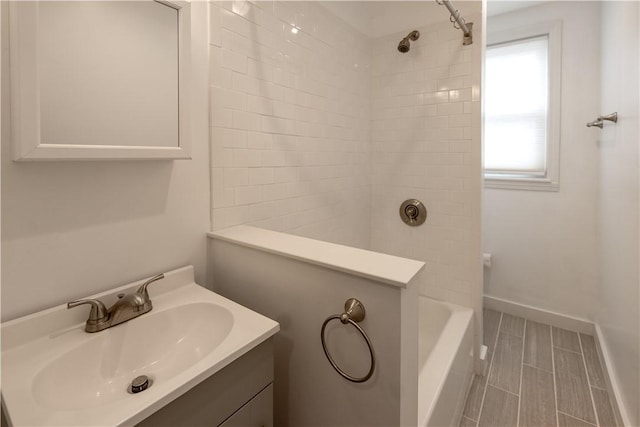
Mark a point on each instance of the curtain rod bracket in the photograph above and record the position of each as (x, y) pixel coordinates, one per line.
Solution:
(458, 22)
(467, 38)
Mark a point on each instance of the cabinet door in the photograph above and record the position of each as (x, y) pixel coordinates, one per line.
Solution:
(258, 412)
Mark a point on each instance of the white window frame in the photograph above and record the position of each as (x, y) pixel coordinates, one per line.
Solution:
(550, 182)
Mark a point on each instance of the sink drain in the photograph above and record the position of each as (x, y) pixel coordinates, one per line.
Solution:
(139, 384)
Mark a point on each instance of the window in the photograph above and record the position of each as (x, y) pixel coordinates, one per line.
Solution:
(521, 109)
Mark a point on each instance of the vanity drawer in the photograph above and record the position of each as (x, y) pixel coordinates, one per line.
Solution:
(258, 412)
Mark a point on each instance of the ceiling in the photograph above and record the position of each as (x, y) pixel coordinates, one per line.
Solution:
(496, 7)
(380, 18)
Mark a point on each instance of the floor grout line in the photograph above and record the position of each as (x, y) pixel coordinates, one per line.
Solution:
(586, 372)
(506, 391)
(486, 383)
(577, 418)
(539, 368)
(554, 348)
(524, 334)
(553, 369)
(610, 394)
(566, 349)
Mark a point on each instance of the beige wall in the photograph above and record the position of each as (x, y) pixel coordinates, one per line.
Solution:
(618, 313)
(300, 296)
(71, 229)
(544, 244)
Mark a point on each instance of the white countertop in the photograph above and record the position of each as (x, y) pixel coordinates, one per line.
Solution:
(34, 394)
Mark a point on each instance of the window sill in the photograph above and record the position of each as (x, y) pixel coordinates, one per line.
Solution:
(527, 184)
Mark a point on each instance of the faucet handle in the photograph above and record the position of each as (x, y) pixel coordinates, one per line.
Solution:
(143, 288)
(98, 312)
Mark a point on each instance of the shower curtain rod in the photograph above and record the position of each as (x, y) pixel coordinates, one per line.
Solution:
(458, 22)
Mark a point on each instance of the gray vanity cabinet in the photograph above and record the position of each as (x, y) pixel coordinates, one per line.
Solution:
(258, 412)
(240, 395)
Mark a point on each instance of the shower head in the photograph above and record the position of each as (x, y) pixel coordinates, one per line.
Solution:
(405, 43)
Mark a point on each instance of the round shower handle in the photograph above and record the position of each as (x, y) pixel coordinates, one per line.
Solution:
(413, 212)
(354, 313)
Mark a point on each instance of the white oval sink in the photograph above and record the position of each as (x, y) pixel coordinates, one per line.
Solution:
(56, 374)
(158, 344)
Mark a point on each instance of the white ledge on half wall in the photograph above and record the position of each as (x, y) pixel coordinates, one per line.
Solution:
(377, 266)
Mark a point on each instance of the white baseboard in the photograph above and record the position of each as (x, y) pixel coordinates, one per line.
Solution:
(612, 384)
(539, 315)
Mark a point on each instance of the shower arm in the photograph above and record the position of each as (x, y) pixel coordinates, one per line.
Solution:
(455, 18)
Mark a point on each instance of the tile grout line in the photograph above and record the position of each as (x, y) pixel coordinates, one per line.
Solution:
(524, 337)
(577, 418)
(539, 368)
(553, 368)
(569, 351)
(586, 372)
(600, 388)
(491, 367)
(506, 391)
(486, 384)
(611, 396)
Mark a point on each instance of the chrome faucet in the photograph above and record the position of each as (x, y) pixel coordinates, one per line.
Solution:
(126, 308)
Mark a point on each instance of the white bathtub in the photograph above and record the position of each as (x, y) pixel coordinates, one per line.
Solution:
(445, 361)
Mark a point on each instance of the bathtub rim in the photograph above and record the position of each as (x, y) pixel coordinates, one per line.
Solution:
(442, 357)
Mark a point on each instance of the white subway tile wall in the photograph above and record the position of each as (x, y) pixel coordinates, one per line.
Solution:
(320, 131)
(290, 121)
(426, 145)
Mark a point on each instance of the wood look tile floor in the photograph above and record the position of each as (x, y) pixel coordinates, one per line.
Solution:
(538, 376)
